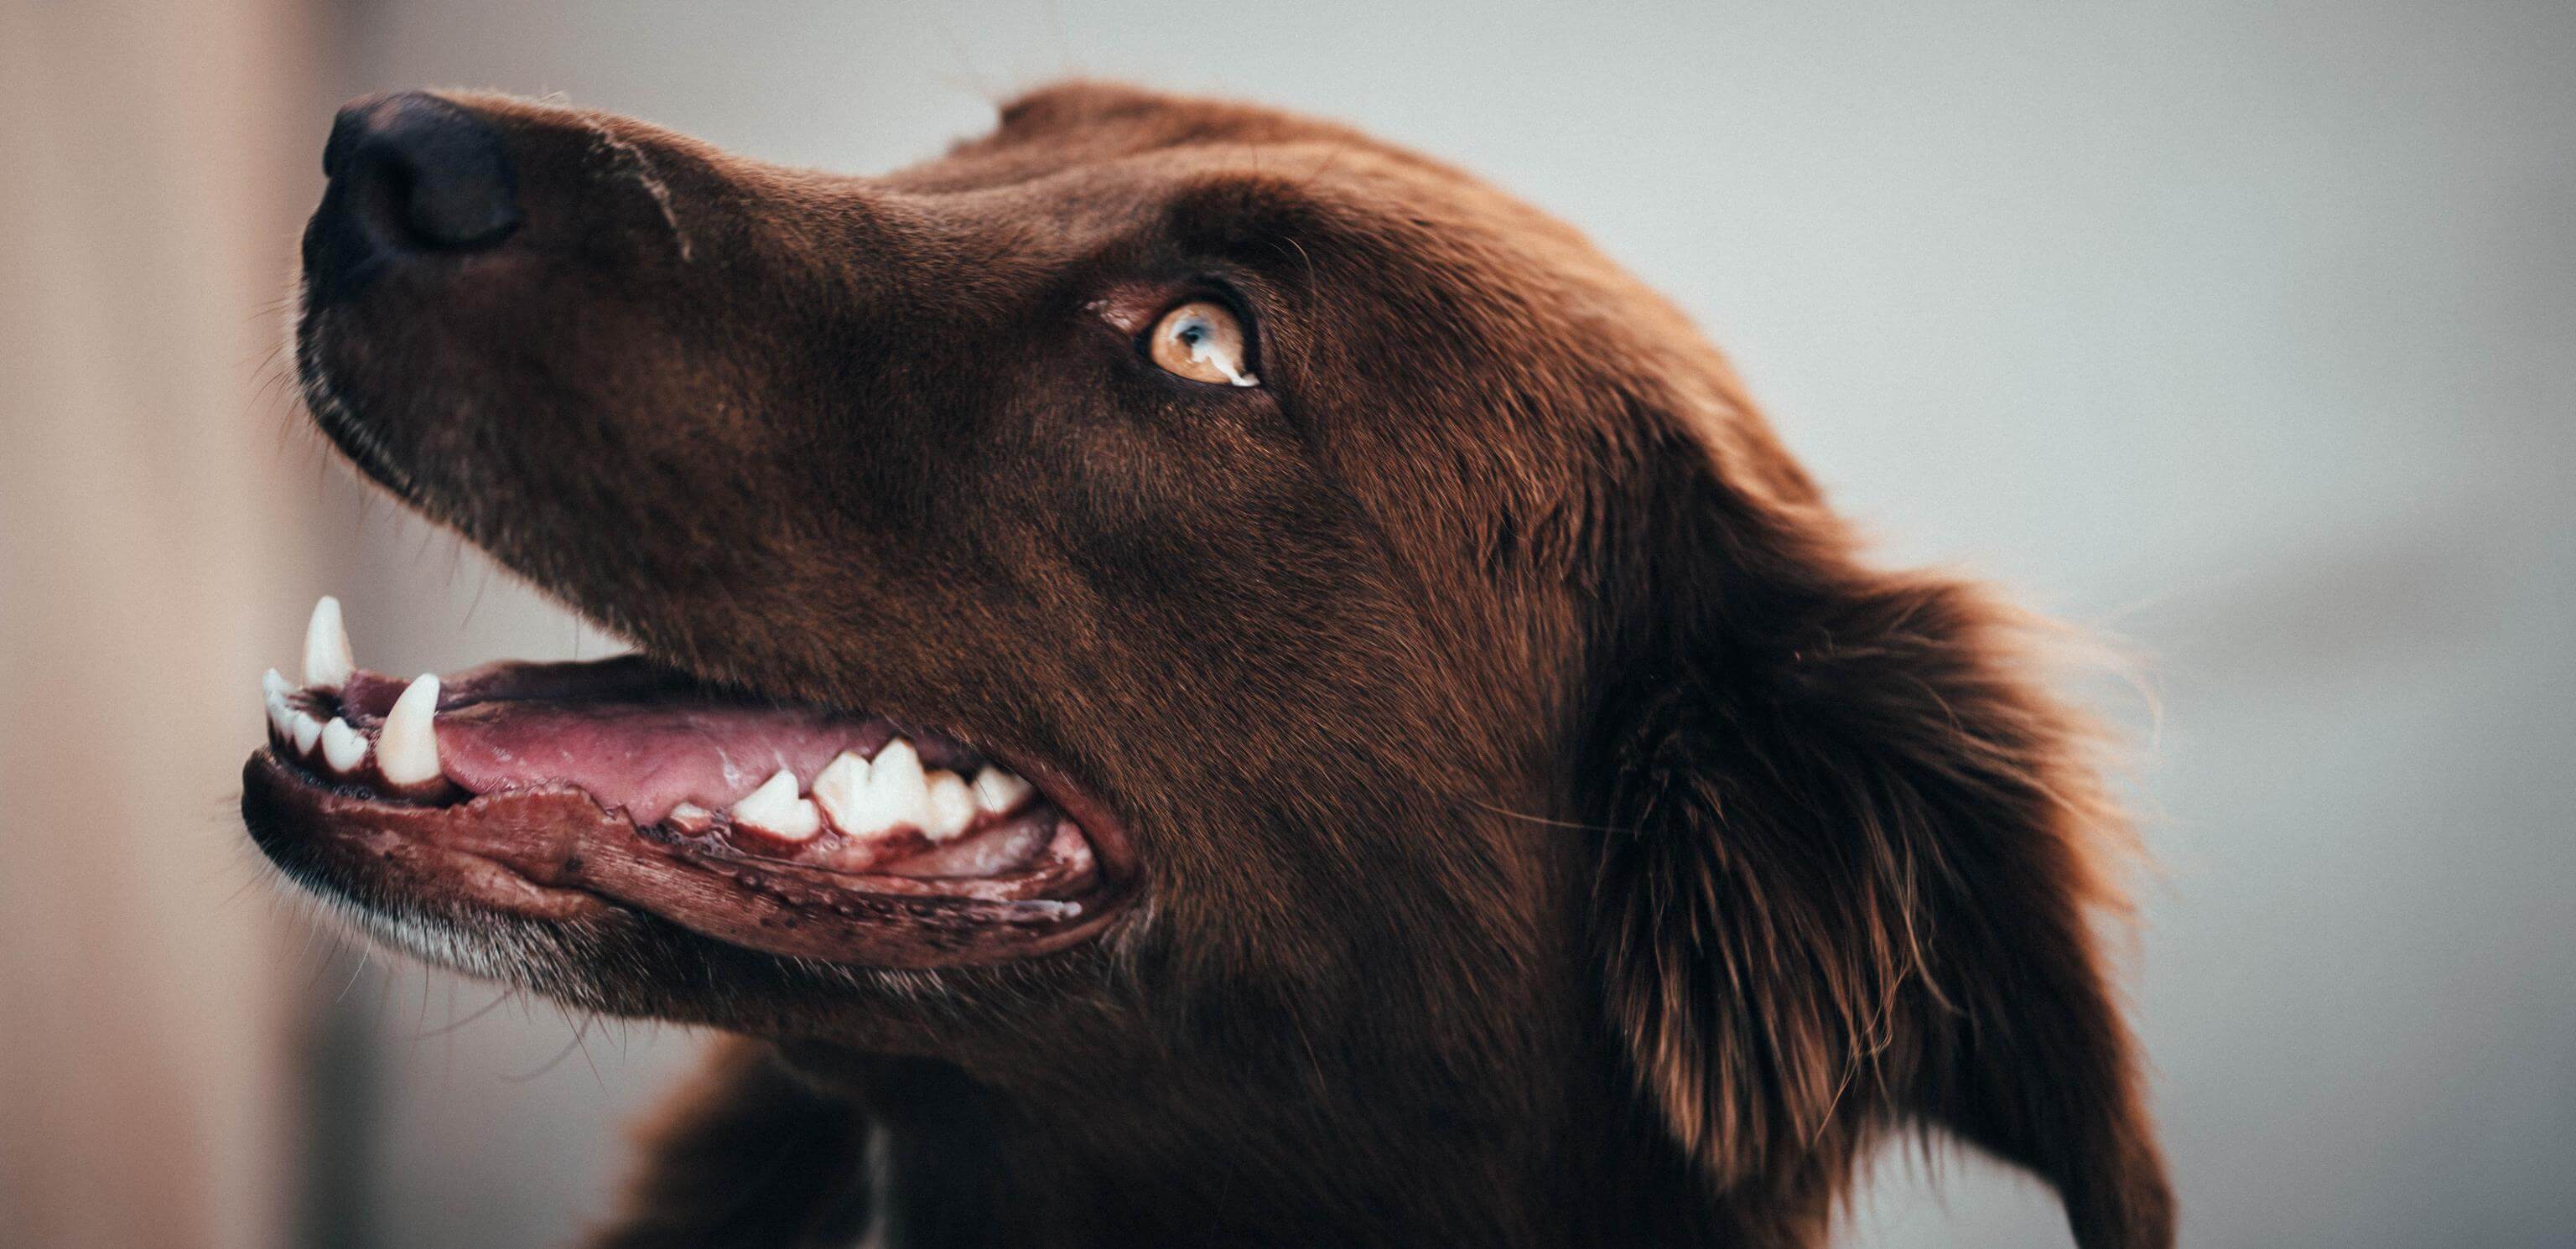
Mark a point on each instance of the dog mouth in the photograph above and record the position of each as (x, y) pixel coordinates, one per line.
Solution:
(558, 790)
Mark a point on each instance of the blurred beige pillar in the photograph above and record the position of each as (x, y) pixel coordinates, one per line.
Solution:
(151, 163)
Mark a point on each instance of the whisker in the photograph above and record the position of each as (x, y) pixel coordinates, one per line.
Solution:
(486, 1009)
(1570, 825)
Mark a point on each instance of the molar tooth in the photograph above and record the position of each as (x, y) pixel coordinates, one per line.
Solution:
(327, 660)
(273, 685)
(407, 747)
(342, 747)
(999, 792)
(897, 791)
(951, 805)
(775, 809)
(305, 730)
(841, 789)
(689, 817)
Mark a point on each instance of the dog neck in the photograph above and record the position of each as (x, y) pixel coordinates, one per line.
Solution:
(949, 1161)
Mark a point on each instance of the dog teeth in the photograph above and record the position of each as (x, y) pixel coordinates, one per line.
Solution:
(775, 809)
(841, 789)
(897, 791)
(407, 747)
(951, 806)
(344, 748)
(865, 797)
(327, 660)
(897, 794)
(859, 796)
(998, 792)
(273, 690)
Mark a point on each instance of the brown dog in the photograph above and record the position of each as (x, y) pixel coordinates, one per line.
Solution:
(1474, 793)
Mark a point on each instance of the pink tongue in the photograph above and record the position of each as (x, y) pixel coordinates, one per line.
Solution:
(644, 757)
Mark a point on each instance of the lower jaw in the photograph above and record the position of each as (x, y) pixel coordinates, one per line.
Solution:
(554, 853)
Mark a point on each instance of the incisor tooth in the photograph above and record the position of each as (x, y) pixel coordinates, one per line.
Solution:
(950, 804)
(998, 792)
(342, 747)
(273, 690)
(841, 789)
(305, 730)
(407, 747)
(327, 660)
(774, 808)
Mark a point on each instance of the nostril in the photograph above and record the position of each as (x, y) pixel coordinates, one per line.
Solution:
(421, 174)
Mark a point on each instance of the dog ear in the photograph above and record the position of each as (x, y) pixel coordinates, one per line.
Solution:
(1853, 859)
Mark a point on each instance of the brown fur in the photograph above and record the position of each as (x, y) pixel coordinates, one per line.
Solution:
(1552, 832)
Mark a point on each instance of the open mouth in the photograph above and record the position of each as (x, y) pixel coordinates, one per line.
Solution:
(548, 789)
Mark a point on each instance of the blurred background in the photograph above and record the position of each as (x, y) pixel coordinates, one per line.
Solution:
(2245, 335)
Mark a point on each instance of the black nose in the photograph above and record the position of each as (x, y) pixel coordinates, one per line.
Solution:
(421, 173)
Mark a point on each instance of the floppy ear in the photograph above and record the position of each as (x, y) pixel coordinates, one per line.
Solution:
(1854, 861)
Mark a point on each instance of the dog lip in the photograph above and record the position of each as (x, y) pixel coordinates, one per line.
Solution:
(633, 781)
(556, 854)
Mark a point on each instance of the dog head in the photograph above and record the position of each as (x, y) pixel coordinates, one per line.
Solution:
(1247, 615)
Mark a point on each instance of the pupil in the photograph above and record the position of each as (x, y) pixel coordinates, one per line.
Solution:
(1192, 334)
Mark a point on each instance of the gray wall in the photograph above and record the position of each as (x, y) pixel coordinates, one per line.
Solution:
(2244, 338)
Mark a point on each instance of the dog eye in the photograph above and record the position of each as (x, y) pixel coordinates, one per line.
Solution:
(1202, 341)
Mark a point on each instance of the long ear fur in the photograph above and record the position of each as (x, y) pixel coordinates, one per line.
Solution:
(1857, 858)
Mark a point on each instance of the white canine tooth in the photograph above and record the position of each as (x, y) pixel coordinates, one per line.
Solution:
(407, 747)
(951, 806)
(342, 747)
(775, 809)
(998, 792)
(305, 730)
(327, 660)
(841, 789)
